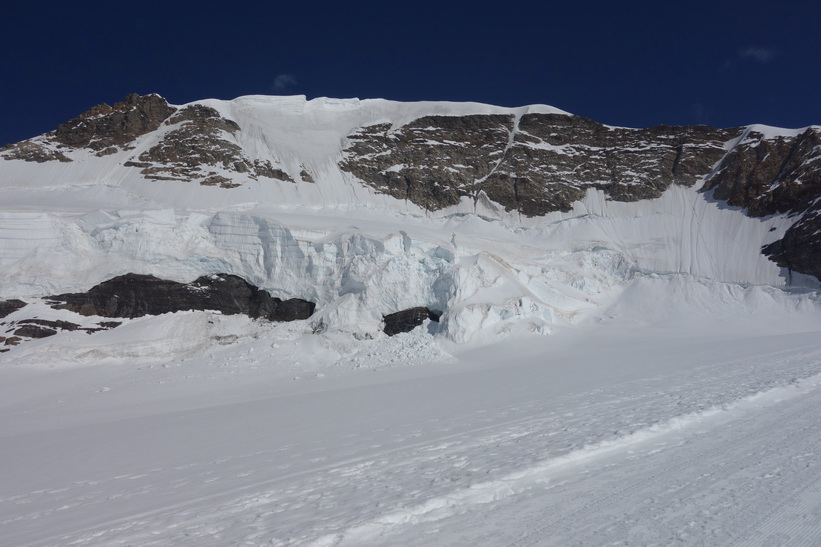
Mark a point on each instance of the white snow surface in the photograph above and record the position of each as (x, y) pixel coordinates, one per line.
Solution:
(366, 263)
(699, 434)
(624, 373)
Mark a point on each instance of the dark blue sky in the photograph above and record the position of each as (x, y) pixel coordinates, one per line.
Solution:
(622, 63)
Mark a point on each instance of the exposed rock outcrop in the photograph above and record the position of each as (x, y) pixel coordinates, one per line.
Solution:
(769, 176)
(103, 129)
(198, 145)
(34, 331)
(782, 174)
(537, 164)
(800, 248)
(10, 341)
(27, 329)
(433, 161)
(52, 324)
(32, 151)
(554, 159)
(107, 126)
(10, 306)
(199, 148)
(407, 320)
(134, 295)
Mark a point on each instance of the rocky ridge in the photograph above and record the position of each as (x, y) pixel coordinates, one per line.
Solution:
(22, 330)
(199, 149)
(528, 163)
(197, 144)
(534, 164)
(540, 163)
(102, 129)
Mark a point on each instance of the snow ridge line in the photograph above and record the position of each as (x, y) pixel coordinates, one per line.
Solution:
(461, 500)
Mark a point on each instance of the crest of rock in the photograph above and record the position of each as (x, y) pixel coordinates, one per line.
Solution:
(105, 126)
(199, 148)
(433, 161)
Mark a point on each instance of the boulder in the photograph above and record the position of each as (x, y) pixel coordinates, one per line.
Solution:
(407, 320)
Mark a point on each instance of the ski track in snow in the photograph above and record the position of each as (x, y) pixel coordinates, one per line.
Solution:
(721, 453)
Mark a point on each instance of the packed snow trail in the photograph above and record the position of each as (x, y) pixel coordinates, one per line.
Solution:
(638, 438)
(745, 476)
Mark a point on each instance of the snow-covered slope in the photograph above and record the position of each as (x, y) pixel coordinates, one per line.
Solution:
(480, 273)
(294, 134)
(319, 233)
(606, 309)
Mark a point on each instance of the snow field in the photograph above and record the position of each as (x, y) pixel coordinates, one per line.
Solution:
(535, 435)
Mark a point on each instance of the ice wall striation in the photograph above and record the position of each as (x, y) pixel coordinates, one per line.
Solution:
(483, 279)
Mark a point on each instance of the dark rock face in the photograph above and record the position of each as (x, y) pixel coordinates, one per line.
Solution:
(104, 129)
(800, 248)
(192, 151)
(10, 341)
(769, 176)
(543, 163)
(432, 161)
(62, 325)
(554, 159)
(780, 175)
(107, 126)
(306, 176)
(407, 320)
(34, 331)
(134, 295)
(198, 143)
(32, 151)
(10, 306)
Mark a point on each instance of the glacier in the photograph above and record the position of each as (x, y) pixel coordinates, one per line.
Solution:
(479, 271)
(623, 371)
